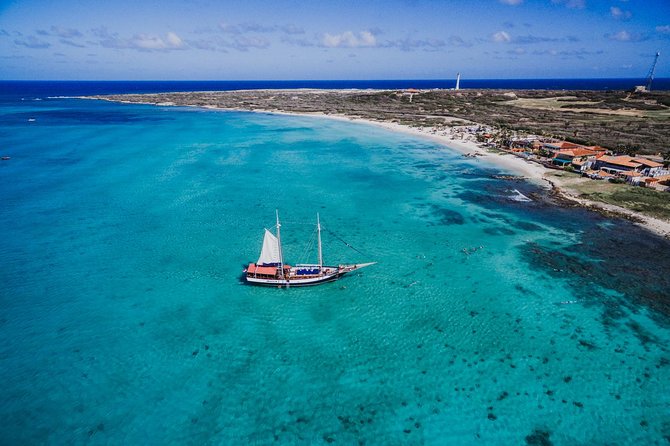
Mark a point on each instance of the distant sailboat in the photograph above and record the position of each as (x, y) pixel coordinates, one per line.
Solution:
(270, 269)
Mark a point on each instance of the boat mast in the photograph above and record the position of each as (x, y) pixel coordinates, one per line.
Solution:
(281, 254)
(318, 230)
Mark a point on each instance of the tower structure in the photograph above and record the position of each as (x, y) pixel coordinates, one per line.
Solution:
(650, 75)
(458, 81)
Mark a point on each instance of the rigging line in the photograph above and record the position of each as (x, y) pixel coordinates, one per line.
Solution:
(302, 223)
(308, 247)
(342, 240)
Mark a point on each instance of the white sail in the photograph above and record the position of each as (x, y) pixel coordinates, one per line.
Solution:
(270, 251)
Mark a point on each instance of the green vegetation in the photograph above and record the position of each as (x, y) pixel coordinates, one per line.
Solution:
(639, 199)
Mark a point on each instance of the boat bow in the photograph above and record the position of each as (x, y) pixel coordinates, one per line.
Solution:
(349, 268)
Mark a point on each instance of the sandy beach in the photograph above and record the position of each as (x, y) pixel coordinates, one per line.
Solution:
(455, 138)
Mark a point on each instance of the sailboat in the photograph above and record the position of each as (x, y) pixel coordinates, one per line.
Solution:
(270, 269)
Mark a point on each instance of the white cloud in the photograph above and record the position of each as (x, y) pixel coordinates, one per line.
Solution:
(625, 36)
(665, 29)
(501, 37)
(620, 14)
(349, 39)
(156, 43)
(621, 36)
(140, 42)
(174, 40)
(511, 2)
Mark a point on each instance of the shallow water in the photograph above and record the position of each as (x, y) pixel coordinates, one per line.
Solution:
(488, 319)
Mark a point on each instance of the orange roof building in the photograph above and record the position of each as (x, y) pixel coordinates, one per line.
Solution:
(647, 162)
(560, 145)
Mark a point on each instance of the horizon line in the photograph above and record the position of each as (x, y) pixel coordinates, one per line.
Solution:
(330, 80)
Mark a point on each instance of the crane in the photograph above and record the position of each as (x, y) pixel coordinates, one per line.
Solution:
(650, 76)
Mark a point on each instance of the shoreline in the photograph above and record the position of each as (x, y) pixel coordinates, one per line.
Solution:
(452, 139)
(531, 171)
(448, 138)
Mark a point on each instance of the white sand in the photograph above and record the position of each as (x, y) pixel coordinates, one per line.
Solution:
(456, 138)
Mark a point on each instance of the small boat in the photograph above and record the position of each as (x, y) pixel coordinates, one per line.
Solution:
(270, 269)
(5, 158)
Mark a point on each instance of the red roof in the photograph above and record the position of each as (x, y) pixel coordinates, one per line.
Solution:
(622, 160)
(577, 151)
(662, 178)
(265, 270)
(562, 145)
(600, 173)
(647, 162)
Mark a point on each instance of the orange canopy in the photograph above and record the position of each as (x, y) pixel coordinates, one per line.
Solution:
(265, 270)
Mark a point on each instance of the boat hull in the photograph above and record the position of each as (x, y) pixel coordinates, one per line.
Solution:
(296, 282)
(334, 273)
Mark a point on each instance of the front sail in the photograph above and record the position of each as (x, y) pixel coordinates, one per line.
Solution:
(270, 252)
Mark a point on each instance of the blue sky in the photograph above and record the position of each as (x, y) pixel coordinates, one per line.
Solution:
(335, 39)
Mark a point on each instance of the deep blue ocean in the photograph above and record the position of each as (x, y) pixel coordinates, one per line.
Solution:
(489, 318)
(79, 88)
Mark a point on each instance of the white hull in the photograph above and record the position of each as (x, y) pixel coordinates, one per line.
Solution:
(333, 273)
(293, 282)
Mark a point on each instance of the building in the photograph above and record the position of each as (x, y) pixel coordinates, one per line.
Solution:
(580, 157)
(650, 168)
(557, 146)
(624, 163)
(661, 183)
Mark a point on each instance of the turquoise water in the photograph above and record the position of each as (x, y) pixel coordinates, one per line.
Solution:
(487, 320)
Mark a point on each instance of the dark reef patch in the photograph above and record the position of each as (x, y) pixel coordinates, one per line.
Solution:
(539, 437)
(526, 226)
(448, 217)
(440, 215)
(603, 261)
(498, 231)
(642, 335)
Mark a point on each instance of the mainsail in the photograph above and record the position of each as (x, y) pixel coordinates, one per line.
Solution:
(270, 252)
